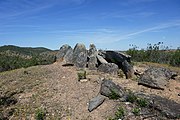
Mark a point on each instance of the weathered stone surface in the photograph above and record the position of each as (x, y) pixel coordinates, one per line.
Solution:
(127, 69)
(68, 57)
(92, 63)
(92, 50)
(62, 51)
(156, 77)
(92, 60)
(101, 60)
(170, 108)
(95, 102)
(164, 106)
(121, 60)
(116, 57)
(80, 56)
(110, 68)
(109, 88)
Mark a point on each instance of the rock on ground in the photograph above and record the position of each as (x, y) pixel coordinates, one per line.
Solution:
(95, 102)
(109, 88)
(110, 68)
(156, 77)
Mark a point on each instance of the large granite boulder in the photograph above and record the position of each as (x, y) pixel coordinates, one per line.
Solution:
(110, 68)
(116, 57)
(80, 55)
(63, 50)
(155, 77)
(121, 60)
(111, 90)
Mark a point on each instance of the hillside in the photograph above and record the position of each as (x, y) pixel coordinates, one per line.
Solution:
(54, 91)
(13, 57)
(88, 85)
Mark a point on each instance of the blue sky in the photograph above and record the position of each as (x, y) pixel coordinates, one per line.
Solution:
(109, 24)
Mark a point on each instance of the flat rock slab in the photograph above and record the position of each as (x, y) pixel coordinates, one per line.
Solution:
(95, 102)
(156, 77)
(170, 108)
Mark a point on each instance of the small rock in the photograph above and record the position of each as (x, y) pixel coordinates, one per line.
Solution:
(95, 102)
(83, 80)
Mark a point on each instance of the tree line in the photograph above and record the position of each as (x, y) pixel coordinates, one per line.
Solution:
(157, 53)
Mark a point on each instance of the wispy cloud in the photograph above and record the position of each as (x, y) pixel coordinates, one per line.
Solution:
(163, 26)
(134, 2)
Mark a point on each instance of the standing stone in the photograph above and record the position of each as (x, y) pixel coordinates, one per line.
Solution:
(68, 57)
(92, 61)
(92, 50)
(62, 51)
(80, 55)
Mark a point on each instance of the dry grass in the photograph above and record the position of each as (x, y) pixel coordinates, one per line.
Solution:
(56, 90)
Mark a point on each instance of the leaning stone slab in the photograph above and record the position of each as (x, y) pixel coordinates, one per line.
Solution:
(101, 59)
(95, 102)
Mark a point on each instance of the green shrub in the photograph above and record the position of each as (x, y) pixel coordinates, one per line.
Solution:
(157, 53)
(114, 95)
(81, 74)
(142, 102)
(131, 97)
(136, 111)
(119, 113)
(40, 114)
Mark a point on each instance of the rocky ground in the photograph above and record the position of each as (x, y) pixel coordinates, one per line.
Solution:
(55, 91)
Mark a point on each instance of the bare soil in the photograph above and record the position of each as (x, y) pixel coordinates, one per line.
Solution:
(57, 91)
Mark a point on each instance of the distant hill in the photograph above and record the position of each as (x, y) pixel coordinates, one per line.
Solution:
(12, 57)
(24, 50)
